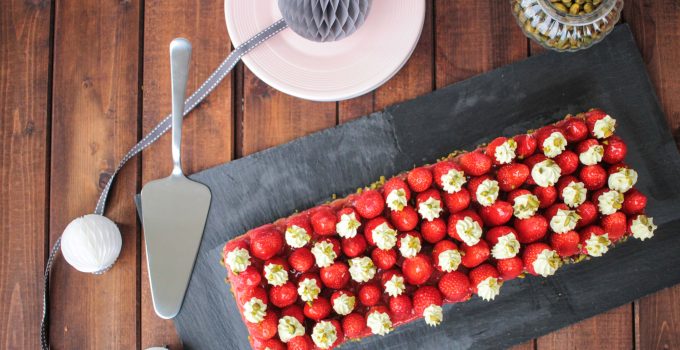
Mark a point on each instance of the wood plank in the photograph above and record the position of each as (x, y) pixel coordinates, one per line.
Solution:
(207, 133)
(95, 114)
(656, 26)
(24, 158)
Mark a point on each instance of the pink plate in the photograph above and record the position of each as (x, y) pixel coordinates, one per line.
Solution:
(328, 71)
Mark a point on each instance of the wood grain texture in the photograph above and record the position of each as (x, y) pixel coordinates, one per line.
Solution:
(94, 122)
(24, 131)
(656, 27)
(207, 133)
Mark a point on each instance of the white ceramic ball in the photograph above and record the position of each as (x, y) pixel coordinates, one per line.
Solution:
(91, 243)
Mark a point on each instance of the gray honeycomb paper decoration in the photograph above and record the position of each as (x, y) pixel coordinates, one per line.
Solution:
(324, 20)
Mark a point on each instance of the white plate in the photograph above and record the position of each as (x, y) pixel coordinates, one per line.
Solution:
(328, 71)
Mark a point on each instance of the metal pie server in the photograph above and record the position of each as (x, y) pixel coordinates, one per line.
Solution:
(174, 209)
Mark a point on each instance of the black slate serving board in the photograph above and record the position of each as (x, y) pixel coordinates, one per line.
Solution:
(274, 183)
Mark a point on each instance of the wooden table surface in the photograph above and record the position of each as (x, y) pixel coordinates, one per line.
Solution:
(81, 81)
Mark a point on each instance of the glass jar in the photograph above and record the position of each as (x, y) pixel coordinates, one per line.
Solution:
(567, 25)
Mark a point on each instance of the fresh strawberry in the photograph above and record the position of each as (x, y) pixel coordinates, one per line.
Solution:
(303, 342)
(475, 163)
(497, 213)
(457, 201)
(426, 195)
(454, 218)
(284, 295)
(337, 246)
(616, 167)
(567, 161)
(400, 306)
(339, 293)
(301, 221)
(338, 331)
(592, 117)
(232, 245)
(585, 145)
(396, 183)
(294, 311)
(530, 162)
(265, 242)
(552, 210)
(563, 182)
(257, 292)
(424, 297)
(353, 247)
(530, 255)
(353, 325)
(455, 286)
(615, 150)
(250, 277)
(405, 219)
(526, 145)
(384, 259)
(543, 134)
(474, 183)
(442, 168)
(412, 234)
(475, 255)
(587, 232)
(323, 221)
(481, 273)
(369, 204)
(369, 294)
(512, 176)
(433, 231)
(493, 145)
(371, 225)
(546, 195)
(301, 259)
(387, 275)
(615, 225)
(417, 270)
(277, 261)
(439, 248)
(575, 129)
(269, 344)
(593, 177)
(516, 193)
(318, 309)
(419, 179)
(531, 229)
(565, 244)
(265, 329)
(495, 233)
(335, 276)
(510, 268)
(634, 202)
(588, 213)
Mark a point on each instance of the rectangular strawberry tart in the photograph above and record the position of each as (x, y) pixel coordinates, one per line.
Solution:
(397, 251)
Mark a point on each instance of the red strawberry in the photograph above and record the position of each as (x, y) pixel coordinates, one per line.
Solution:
(301, 221)
(593, 177)
(516, 193)
(475, 255)
(250, 277)
(335, 276)
(481, 273)
(405, 219)
(384, 259)
(323, 221)
(546, 195)
(497, 213)
(526, 145)
(592, 117)
(396, 183)
(417, 270)
(433, 231)
(634, 202)
(475, 163)
(257, 292)
(563, 183)
(442, 168)
(567, 161)
(427, 194)
(387, 275)
(284, 295)
(353, 247)
(455, 286)
(544, 133)
(587, 232)
(588, 213)
(615, 150)
(232, 245)
(400, 306)
(616, 167)
(339, 293)
(369, 294)
(454, 218)
(530, 254)
(318, 309)
(491, 148)
(294, 311)
(585, 145)
(510, 268)
(353, 325)
(303, 342)
(419, 179)
(439, 248)
(371, 225)
(310, 276)
(615, 225)
(413, 234)
(531, 229)
(424, 297)
(512, 176)
(565, 244)
(457, 201)
(474, 183)
(575, 129)
(265, 329)
(530, 162)
(301, 259)
(495, 233)
(369, 204)
(269, 344)
(337, 247)
(265, 242)
(552, 210)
